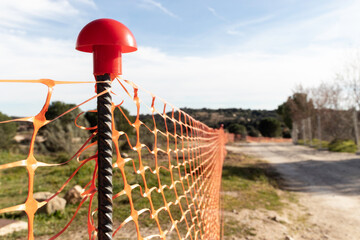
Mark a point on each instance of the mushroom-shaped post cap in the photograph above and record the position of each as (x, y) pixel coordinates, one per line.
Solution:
(106, 39)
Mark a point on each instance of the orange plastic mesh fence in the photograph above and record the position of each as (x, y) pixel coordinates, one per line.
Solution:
(167, 169)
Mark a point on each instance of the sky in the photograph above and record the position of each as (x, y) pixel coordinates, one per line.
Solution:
(192, 53)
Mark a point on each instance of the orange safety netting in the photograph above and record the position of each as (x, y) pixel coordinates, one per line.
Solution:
(167, 168)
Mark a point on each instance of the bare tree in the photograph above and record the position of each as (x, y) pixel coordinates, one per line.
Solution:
(349, 78)
(320, 99)
(337, 122)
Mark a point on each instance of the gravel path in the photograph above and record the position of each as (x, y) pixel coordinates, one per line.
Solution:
(328, 184)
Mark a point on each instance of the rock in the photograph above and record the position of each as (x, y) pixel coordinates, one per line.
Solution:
(279, 219)
(10, 226)
(288, 238)
(124, 155)
(73, 196)
(55, 204)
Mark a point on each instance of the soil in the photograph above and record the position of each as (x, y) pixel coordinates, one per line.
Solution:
(327, 186)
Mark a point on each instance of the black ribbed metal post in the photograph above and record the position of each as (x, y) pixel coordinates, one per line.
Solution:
(105, 192)
(107, 39)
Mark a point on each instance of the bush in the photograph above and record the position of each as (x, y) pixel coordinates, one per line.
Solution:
(343, 146)
(286, 133)
(270, 127)
(300, 142)
(62, 135)
(316, 143)
(253, 132)
(7, 132)
(237, 129)
(121, 124)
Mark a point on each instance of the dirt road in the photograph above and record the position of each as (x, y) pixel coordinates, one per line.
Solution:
(328, 185)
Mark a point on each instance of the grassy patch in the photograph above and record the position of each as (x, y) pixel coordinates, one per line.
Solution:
(334, 146)
(14, 190)
(233, 228)
(249, 183)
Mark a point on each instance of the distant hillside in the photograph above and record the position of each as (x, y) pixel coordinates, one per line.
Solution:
(235, 120)
(216, 117)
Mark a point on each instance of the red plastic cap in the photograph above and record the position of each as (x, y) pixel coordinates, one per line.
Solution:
(107, 39)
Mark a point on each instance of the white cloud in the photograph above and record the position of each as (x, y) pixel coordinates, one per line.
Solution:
(17, 14)
(213, 12)
(90, 3)
(340, 24)
(35, 58)
(253, 21)
(237, 29)
(235, 33)
(251, 75)
(238, 79)
(333, 28)
(161, 7)
(254, 80)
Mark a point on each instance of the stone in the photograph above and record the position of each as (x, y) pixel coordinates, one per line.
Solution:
(124, 155)
(279, 219)
(73, 196)
(9, 226)
(55, 204)
(288, 238)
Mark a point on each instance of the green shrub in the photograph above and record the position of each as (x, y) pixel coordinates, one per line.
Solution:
(270, 127)
(316, 143)
(343, 146)
(7, 132)
(252, 131)
(237, 129)
(62, 135)
(302, 142)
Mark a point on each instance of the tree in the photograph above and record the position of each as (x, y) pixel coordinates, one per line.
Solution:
(57, 108)
(7, 132)
(62, 135)
(301, 111)
(252, 131)
(121, 123)
(349, 79)
(237, 129)
(336, 122)
(300, 106)
(327, 101)
(284, 112)
(270, 127)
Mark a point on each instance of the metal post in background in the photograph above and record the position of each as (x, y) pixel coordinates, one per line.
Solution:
(107, 39)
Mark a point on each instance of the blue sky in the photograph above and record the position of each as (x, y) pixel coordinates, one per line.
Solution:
(231, 53)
